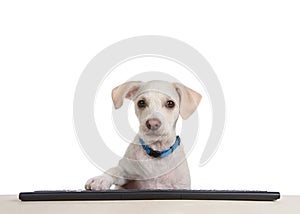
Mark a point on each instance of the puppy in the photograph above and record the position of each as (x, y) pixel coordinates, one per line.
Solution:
(156, 158)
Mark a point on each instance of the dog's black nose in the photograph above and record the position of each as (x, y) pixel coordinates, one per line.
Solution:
(153, 124)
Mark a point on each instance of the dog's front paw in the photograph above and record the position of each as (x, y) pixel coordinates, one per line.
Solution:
(102, 182)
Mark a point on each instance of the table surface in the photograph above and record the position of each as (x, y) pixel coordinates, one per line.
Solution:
(10, 204)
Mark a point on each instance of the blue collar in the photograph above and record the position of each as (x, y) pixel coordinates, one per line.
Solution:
(160, 154)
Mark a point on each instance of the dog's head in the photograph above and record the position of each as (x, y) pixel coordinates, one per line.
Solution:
(157, 104)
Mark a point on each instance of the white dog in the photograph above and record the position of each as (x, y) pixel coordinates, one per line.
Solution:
(155, 159)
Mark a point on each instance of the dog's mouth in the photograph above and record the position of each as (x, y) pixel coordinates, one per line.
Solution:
(150, 131)
(153, 133)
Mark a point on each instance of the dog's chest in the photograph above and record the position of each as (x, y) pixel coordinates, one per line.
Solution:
(170, 172)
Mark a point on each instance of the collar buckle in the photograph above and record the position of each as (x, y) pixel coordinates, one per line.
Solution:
(154, 153)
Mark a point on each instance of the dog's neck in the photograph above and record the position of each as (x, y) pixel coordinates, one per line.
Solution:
(159, 142)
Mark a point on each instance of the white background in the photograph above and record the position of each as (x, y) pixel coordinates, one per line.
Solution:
(253, 46)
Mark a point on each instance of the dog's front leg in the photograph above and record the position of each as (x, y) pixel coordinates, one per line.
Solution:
(107, 179)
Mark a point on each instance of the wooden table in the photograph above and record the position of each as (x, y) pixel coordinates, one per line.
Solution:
(10, 204)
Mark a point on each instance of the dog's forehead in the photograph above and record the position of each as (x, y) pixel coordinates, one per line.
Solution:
(159, 86)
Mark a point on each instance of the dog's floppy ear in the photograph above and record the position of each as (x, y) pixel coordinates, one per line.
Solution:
(126, 90)
(189, 100)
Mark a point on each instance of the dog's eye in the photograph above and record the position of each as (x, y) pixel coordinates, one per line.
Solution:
(141, 103)
(170, 104)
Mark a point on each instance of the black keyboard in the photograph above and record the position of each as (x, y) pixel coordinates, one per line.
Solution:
(149, 195)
